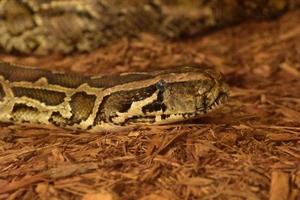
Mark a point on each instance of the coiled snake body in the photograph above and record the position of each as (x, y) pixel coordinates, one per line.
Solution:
(106, 102)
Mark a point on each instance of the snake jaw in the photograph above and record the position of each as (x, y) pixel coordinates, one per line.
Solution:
(217, 97)
(220, 100)
(221, 97)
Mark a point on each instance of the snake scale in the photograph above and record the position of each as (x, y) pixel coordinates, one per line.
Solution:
(108, 102)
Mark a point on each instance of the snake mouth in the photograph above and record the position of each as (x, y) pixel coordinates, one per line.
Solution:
(220, 100)
(221, 97)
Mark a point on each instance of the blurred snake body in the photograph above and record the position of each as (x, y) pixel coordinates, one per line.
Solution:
(31, 95)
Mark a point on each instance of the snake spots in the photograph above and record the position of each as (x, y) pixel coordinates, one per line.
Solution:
(139, 120)
(164, 116)
(57, 119)
(156, 105)
(44, 96)
(2, 93)
(115, 107)
(24, 113)
(82, 106)
(18, 17)
(101, 115)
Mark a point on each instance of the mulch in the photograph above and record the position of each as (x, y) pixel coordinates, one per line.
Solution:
(250, 149)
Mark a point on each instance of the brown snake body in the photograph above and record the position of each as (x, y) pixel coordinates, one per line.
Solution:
(64, 26)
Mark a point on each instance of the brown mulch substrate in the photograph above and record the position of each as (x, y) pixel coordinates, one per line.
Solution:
(248, 150)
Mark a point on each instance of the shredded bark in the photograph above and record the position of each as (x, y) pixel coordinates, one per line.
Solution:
(250, 149)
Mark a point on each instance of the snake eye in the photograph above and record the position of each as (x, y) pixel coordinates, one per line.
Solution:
(161, 85)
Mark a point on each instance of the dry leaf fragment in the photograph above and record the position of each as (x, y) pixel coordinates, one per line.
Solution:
(101, 195)
(197, 181)
(279, 186)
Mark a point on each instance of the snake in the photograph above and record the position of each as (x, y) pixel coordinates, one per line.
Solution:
(108, 102)
(30, 95)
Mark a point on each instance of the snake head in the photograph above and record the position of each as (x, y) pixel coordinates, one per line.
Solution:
(191, 94)
(168, 96)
